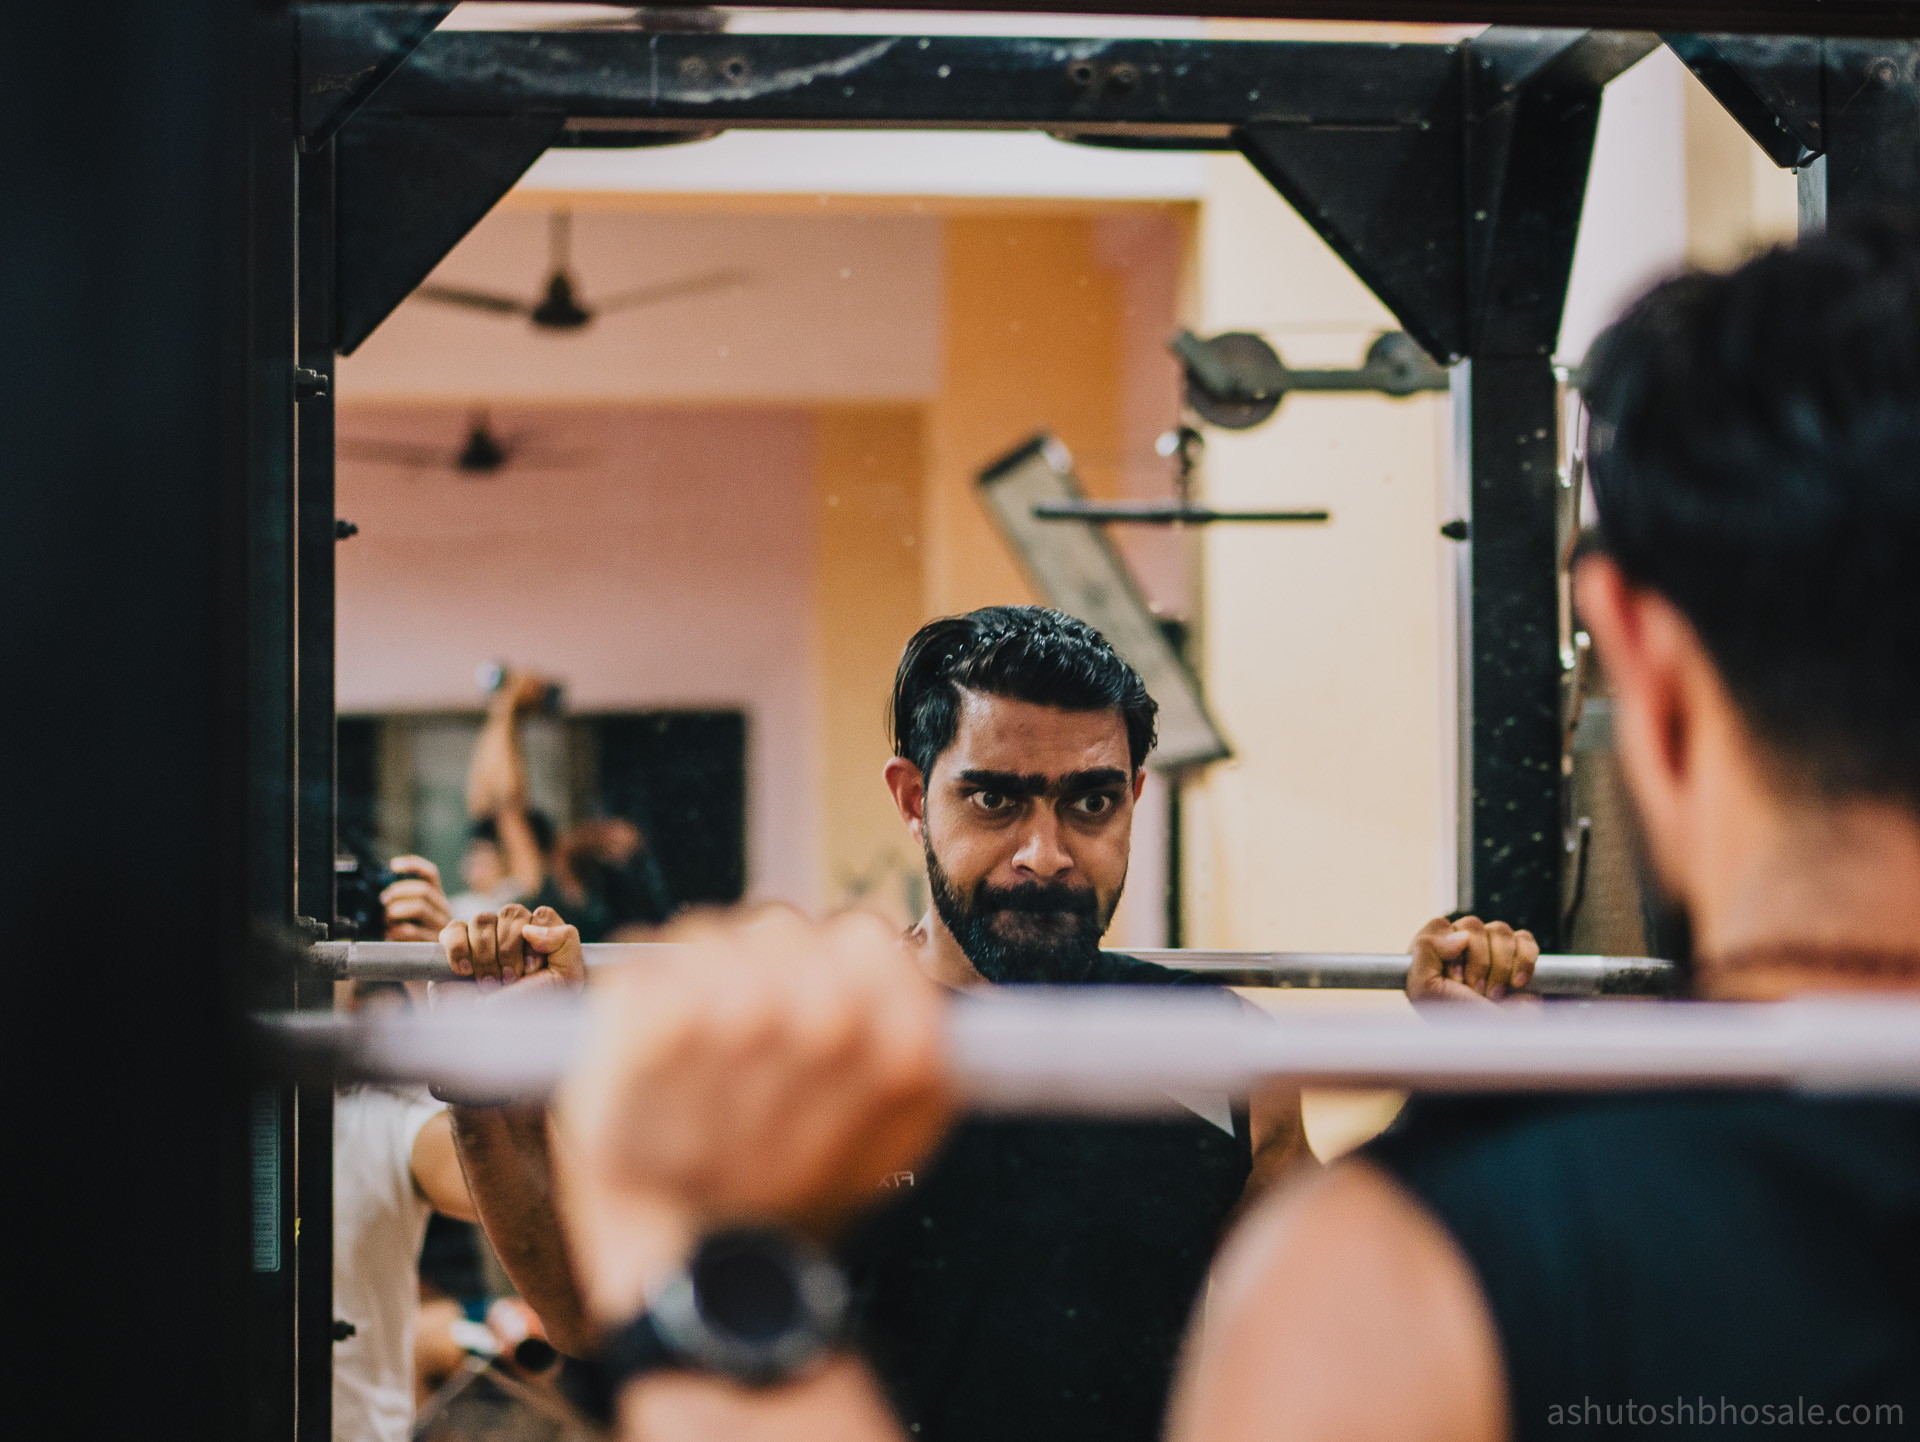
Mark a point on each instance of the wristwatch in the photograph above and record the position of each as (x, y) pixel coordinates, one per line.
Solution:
(754, 1305)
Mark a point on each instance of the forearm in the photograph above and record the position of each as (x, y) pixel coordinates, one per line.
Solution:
(1280, 1147)
(497, 775)
(524, 863)
(503, 1151)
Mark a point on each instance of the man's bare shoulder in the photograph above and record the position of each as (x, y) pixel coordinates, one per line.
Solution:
(1342, 1309)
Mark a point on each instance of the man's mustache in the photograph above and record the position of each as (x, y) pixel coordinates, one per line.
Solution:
(1037, 897)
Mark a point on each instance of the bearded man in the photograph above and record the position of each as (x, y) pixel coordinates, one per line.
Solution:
(1034, 1278)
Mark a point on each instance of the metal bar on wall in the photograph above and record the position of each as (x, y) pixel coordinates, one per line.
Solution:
(1195, 91)
(1761, 17)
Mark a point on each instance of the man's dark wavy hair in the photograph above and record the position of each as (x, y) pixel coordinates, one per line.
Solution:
(1025, 653)
(1755, 455)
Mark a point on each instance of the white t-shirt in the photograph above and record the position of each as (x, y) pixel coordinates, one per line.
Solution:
(379, 1222)
(469, 904)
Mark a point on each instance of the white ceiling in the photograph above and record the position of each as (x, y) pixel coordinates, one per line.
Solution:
(987, 164)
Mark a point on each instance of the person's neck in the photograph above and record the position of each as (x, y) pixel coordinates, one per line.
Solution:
(1808, 886)
(940, 955)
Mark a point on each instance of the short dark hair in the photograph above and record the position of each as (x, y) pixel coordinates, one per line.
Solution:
(1025, 653)
(1755, 454)
(538, 822)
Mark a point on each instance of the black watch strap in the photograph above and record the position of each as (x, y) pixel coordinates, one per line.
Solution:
(637, 1349)
(754, 1305)
(588, 1388)
(593, 1386)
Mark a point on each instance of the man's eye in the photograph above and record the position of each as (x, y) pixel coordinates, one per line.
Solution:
(990, 801)
(1099, 803)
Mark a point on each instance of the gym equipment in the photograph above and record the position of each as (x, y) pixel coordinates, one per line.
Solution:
(1077, 569)
(1123, 1051)
(1557, 976)
(1182, 445)
(1237, 380)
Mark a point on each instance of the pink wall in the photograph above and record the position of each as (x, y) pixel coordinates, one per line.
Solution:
(827, 307)
(671, 564)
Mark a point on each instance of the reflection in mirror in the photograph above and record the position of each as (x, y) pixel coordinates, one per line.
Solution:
(717, 520)
(636, 815)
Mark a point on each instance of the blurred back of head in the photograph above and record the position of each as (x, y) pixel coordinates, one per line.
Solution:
(1755, 456)
(538, 822)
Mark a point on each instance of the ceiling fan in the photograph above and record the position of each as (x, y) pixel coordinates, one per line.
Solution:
(484, 452)
(560, 306)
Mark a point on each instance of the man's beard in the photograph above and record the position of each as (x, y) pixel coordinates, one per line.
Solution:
(1046, 933)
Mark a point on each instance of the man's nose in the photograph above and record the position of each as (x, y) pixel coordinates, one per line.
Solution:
(1041, 855)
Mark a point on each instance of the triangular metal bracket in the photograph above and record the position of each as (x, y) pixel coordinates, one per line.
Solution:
(1534, 111)
(1388, 202)
(409, 189)
(347, 52)
(1463, 226)
(1770, 84)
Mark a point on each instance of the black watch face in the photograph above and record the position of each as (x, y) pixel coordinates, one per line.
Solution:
(745, 1288)
(758, 1306)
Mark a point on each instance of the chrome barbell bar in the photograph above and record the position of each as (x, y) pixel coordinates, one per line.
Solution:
(1125, 1050)
(1561, 976)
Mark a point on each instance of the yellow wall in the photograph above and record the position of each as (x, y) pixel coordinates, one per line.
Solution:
(1738, 201)
(869, 468)
(1034, 336)
(1033, 341)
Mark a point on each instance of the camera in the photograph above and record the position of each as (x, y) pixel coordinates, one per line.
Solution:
(357, 884)
(493, 675)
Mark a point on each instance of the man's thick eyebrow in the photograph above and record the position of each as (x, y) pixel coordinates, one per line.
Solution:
(1014, 783)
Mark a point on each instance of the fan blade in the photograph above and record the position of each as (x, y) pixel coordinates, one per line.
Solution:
(474, 299)
(399, 453)
(670, 290)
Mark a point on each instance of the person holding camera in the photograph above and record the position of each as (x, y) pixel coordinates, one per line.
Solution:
(401, 1155)
(509, 842)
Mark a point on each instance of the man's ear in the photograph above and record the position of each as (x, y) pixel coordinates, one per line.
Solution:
(1139, 781)
(1646, 646)
(1600, 599)
(909, 792)
(1659, 676)
(1613, 615)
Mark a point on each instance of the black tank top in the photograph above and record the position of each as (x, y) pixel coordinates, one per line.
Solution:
(1032, 1283)
(1758, 1256)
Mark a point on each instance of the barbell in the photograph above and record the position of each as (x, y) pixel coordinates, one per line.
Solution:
(1127, 1050)
(1557, 976)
